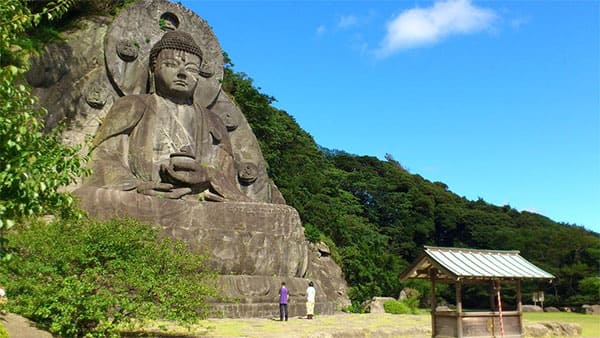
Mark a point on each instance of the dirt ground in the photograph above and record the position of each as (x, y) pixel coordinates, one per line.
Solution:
(339, 325)
(19, 327)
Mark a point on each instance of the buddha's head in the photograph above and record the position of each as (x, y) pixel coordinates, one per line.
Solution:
(175, 63)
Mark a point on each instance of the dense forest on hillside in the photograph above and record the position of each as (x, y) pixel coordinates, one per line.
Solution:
(374, 214)
(377, 216)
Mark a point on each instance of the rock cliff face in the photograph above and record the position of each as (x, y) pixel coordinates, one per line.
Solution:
(255, 245)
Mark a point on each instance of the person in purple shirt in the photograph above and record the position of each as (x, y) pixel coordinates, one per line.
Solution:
(284, 296)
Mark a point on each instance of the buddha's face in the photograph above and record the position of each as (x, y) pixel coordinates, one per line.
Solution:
(176, 74)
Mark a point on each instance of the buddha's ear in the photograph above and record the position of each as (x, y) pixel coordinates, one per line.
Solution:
(206, 70)
(151, 85)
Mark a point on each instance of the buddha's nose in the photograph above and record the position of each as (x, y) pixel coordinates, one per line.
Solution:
(181, 75)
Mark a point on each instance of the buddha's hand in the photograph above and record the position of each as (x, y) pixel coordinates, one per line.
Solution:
(184, 171)
(165, 190)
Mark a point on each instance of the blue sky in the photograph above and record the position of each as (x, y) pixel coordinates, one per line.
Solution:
(497, 99)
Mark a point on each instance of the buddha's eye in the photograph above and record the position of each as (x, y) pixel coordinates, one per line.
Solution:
(192, 69)
(170, 63)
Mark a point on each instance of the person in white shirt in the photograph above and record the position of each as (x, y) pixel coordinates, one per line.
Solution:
(3, 300)
(310, 300)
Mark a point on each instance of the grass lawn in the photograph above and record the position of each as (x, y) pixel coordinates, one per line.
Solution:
(589, 323)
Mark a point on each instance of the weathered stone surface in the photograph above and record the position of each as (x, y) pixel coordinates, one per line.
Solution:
(551, 309)
(552, 329)
(407, 293)
(66, 73)
(327, 275)
(241, 238)
(254, 246)
(247, 153)
(261, 295)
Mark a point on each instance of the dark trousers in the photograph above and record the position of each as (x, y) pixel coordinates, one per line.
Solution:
(283, 310)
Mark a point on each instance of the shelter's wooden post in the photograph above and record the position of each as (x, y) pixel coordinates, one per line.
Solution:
(492, 294)
(459, 311)
(432, 276)
(519, 299)
(519, 306)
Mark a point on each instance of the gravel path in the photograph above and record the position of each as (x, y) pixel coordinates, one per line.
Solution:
(19, 327)
(339, 325)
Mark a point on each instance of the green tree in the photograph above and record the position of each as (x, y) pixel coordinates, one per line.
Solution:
(33, 165)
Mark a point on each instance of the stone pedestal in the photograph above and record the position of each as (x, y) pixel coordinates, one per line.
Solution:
(253, 246)
(260, 296)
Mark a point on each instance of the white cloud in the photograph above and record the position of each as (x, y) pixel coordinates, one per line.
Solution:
(321, 30)
(347, 21)
(424, 26)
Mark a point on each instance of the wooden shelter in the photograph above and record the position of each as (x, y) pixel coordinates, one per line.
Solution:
(469, 266)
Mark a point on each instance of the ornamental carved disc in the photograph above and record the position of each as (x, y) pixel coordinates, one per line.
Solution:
(138, 27)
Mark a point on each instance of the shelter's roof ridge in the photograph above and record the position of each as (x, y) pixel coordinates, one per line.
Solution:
(440, 248)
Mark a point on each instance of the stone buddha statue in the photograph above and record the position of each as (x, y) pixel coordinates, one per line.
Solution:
(172, 143)
(163, 143)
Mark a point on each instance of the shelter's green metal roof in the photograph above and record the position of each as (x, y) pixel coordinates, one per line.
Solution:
(459, 263)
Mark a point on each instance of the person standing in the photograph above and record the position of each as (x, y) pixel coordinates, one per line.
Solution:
(310, 300)
(284, 296)
(3, 300)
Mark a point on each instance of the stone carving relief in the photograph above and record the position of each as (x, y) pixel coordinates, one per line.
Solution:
(143, 27)
(127, 50)
(97, 97)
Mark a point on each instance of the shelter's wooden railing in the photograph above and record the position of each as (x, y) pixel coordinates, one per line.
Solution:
(477, 324)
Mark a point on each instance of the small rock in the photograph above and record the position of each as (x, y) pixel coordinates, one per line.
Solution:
(375, 305)
(532, 308)
(442, 308)
(591, 309)
(552, 329)
(407, 293)
(536, 330)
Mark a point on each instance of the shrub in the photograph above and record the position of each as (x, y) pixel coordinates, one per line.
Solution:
(355, 307)
(589, 288)
(312, 233)
(3, 332)
(89, 277)
(400, 307)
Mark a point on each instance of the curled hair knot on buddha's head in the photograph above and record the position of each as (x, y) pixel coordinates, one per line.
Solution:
(177, 40)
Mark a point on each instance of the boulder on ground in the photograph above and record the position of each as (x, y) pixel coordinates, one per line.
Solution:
(407, 293)
(552, 329)
(551, 309)
(591, 309)
(532, 308)
(375, 305)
